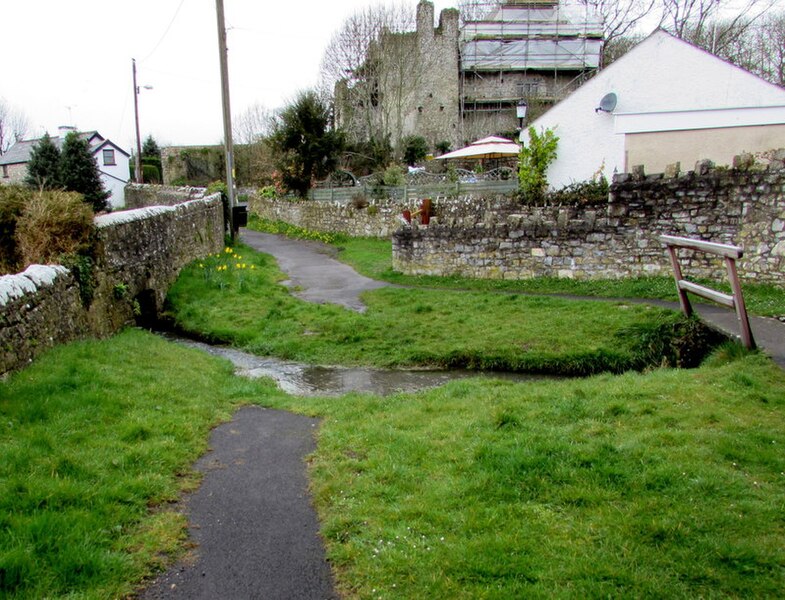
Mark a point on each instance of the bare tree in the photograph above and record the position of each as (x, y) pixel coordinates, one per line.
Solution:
(771, 41)
(14, 125)
(252, 125)
(476, 10)
(250, 130)
(707, 22)
(352, 66)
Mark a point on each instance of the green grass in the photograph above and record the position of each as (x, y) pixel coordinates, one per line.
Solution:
(236, 297)
(665, 484)
(373, 258)
(96, 440)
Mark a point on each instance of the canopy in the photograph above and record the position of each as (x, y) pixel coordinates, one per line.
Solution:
(489, 147)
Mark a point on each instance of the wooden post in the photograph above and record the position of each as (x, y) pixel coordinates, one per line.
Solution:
(684, 301)
(741, 309)
(227, 115)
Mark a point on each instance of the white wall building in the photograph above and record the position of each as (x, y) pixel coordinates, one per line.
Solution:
(674, 103)
(112, 162)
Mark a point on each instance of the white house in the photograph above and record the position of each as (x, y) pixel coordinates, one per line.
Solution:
(112, 162)
(672, 102)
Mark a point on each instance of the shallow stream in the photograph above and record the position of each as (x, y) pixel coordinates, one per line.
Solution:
(307, 380)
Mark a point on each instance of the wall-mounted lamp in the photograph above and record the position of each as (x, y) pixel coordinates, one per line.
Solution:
(520, 111)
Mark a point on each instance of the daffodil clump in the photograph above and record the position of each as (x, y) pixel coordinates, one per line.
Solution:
(226, 269)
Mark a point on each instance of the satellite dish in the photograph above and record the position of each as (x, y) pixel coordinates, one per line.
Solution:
(607, 104)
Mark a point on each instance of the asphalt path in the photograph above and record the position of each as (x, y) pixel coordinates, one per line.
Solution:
(321, 278)
(254, 530)
(314, 275)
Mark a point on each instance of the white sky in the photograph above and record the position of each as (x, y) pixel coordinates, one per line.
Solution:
(68, 62)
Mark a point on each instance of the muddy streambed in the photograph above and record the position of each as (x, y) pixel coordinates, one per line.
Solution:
(308, 380)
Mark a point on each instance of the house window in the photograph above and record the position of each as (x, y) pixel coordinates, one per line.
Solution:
(109, 157)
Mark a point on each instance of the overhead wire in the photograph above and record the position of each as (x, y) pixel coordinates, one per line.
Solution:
(166, 31)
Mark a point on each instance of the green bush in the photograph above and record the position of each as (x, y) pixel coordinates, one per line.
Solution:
(52, 225)
(151, 173)
(415, 149)
(584, 193)
(535, 158)
(12, 200)
(394, 176)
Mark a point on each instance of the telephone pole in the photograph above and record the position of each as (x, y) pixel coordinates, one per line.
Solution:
(138, 162)
(227, 116)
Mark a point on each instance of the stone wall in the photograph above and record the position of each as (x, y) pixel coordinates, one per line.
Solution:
(379, 219)
(505, 240)
(139, 254)
(143, 195)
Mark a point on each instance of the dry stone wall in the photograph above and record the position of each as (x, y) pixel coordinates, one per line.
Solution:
(379, 219)
(139, 254)
(142, 195)
(504, 240)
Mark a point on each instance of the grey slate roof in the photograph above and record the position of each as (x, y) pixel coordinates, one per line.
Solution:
(19, 153)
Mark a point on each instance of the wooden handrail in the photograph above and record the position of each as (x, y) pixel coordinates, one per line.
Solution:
(736, 301)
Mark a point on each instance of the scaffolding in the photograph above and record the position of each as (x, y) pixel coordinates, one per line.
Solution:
(526, 51)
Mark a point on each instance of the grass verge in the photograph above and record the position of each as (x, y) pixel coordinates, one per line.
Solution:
(236, 297)
(373, 258)
(664, 484)
(97, 440)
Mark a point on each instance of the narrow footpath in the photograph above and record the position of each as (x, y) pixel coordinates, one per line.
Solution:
(255, 533)
(321, 278)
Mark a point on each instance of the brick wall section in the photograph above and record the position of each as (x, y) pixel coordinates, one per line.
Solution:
(139, 252)
(144, 195)
(503, 240)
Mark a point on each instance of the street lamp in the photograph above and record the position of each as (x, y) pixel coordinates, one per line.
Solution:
(520, 111)
(137, 89)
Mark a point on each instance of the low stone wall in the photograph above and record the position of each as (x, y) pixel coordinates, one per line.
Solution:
(379, 219)
(39, 308)
(139, 254)
(505, 240)
(142, 195)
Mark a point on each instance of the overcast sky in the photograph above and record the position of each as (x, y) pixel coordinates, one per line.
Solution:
(68, 62)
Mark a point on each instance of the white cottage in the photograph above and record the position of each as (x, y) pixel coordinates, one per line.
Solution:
(112, 162)
(665, 101)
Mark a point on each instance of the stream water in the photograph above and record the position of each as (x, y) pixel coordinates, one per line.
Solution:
(307, 380)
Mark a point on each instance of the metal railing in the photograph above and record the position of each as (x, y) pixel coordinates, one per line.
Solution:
(736, 301)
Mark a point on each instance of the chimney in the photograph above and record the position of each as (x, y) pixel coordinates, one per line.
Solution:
(64, 130)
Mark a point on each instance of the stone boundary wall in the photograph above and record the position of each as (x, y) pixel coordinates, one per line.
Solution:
(506, 240)
(139, 254)
(379, 219)
(142, 195)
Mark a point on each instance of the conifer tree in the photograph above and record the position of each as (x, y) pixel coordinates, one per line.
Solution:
(79, 172)
(43, 169)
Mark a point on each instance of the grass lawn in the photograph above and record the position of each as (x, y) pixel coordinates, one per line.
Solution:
(373, 258)
(664, 484)
(236, 298)
(669, 484)
(96, 440)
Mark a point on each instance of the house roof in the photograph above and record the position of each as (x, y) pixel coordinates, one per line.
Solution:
(107, 143)
(686, 80)
(20, 152)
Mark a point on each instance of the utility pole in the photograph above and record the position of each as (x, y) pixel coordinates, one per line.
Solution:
(227, 116)
(138, 162)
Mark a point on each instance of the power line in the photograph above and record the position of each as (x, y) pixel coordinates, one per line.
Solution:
(168, 27)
